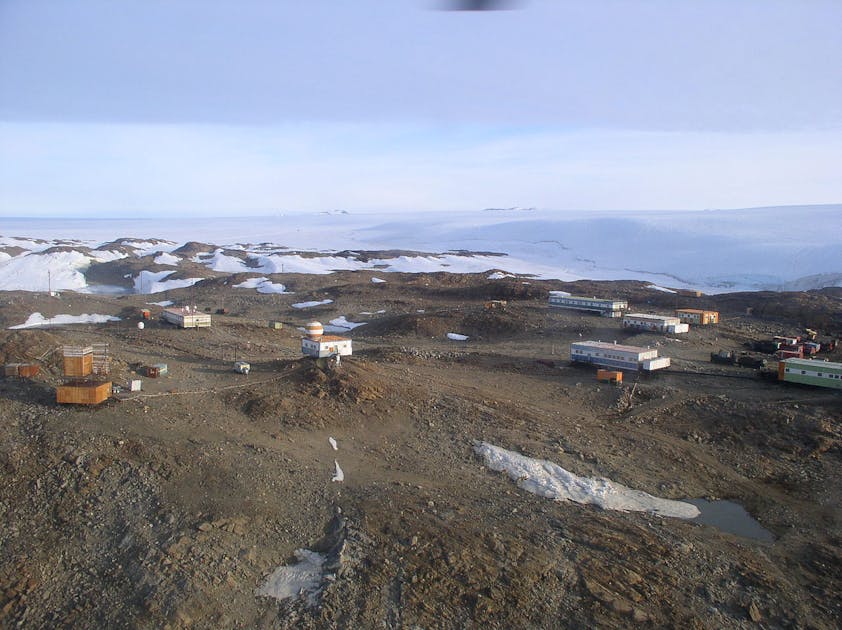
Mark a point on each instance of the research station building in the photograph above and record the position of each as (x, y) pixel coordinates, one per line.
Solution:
(606, 308)
(654, 323)
(617, 356)
(697, 316)
(186, 317)
(810, 372)
(318, 345)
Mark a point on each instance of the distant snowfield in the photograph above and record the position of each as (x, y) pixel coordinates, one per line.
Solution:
(550, 480)
(786, 248)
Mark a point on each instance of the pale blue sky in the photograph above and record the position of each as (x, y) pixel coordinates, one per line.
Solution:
(151, 106)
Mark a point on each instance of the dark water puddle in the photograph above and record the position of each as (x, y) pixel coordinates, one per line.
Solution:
(730, 517)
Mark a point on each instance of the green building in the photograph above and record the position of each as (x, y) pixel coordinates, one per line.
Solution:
(810, 372)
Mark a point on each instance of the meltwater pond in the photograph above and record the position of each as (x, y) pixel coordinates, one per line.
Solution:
(730, 517)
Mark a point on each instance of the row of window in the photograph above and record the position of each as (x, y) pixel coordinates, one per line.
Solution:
(820, 374)
(583, 303)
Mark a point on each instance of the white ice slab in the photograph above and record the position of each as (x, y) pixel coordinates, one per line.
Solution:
(550, 480)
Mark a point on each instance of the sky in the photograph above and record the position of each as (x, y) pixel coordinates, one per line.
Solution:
(148, 107)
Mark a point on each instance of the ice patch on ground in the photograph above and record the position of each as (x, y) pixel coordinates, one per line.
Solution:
(166, 259)
(311, 304)
(499, 275)
(340, 324)
(162, 303)
(263, 285)
(655, 287)
(301, 579)
(550, 480)
(377, 280)
(457, 337)
(36, 320)
(338, 475)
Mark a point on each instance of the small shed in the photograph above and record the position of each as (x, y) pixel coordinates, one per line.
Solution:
(78, 360)
(157, 369)
(609, 376)
(22, 370)
(276, 325)
(84, 393)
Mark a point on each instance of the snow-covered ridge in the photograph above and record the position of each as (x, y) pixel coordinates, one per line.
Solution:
(756, 249)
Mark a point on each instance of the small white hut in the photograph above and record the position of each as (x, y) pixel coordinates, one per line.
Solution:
(318, 345)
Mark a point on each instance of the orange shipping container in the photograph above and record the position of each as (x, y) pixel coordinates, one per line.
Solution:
(28, 370)
(84, 393)
(610, 376)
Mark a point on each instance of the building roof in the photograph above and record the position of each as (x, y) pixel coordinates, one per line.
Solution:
(184, 310)
(693, 310)
(325, 338)
(587, 299)
(605, 345)
(660, 318)
(813, 363)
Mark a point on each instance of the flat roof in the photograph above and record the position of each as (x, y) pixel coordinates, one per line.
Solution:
(605, 345)
(813, 363)
(693, 310)
(329, 338)
(588, 299)
(650, 316)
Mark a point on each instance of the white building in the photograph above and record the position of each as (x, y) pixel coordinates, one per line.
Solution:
(656, 323)
(617, 356)
(326, 346)
(606, 308)
(320, 346)
(186, 317)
